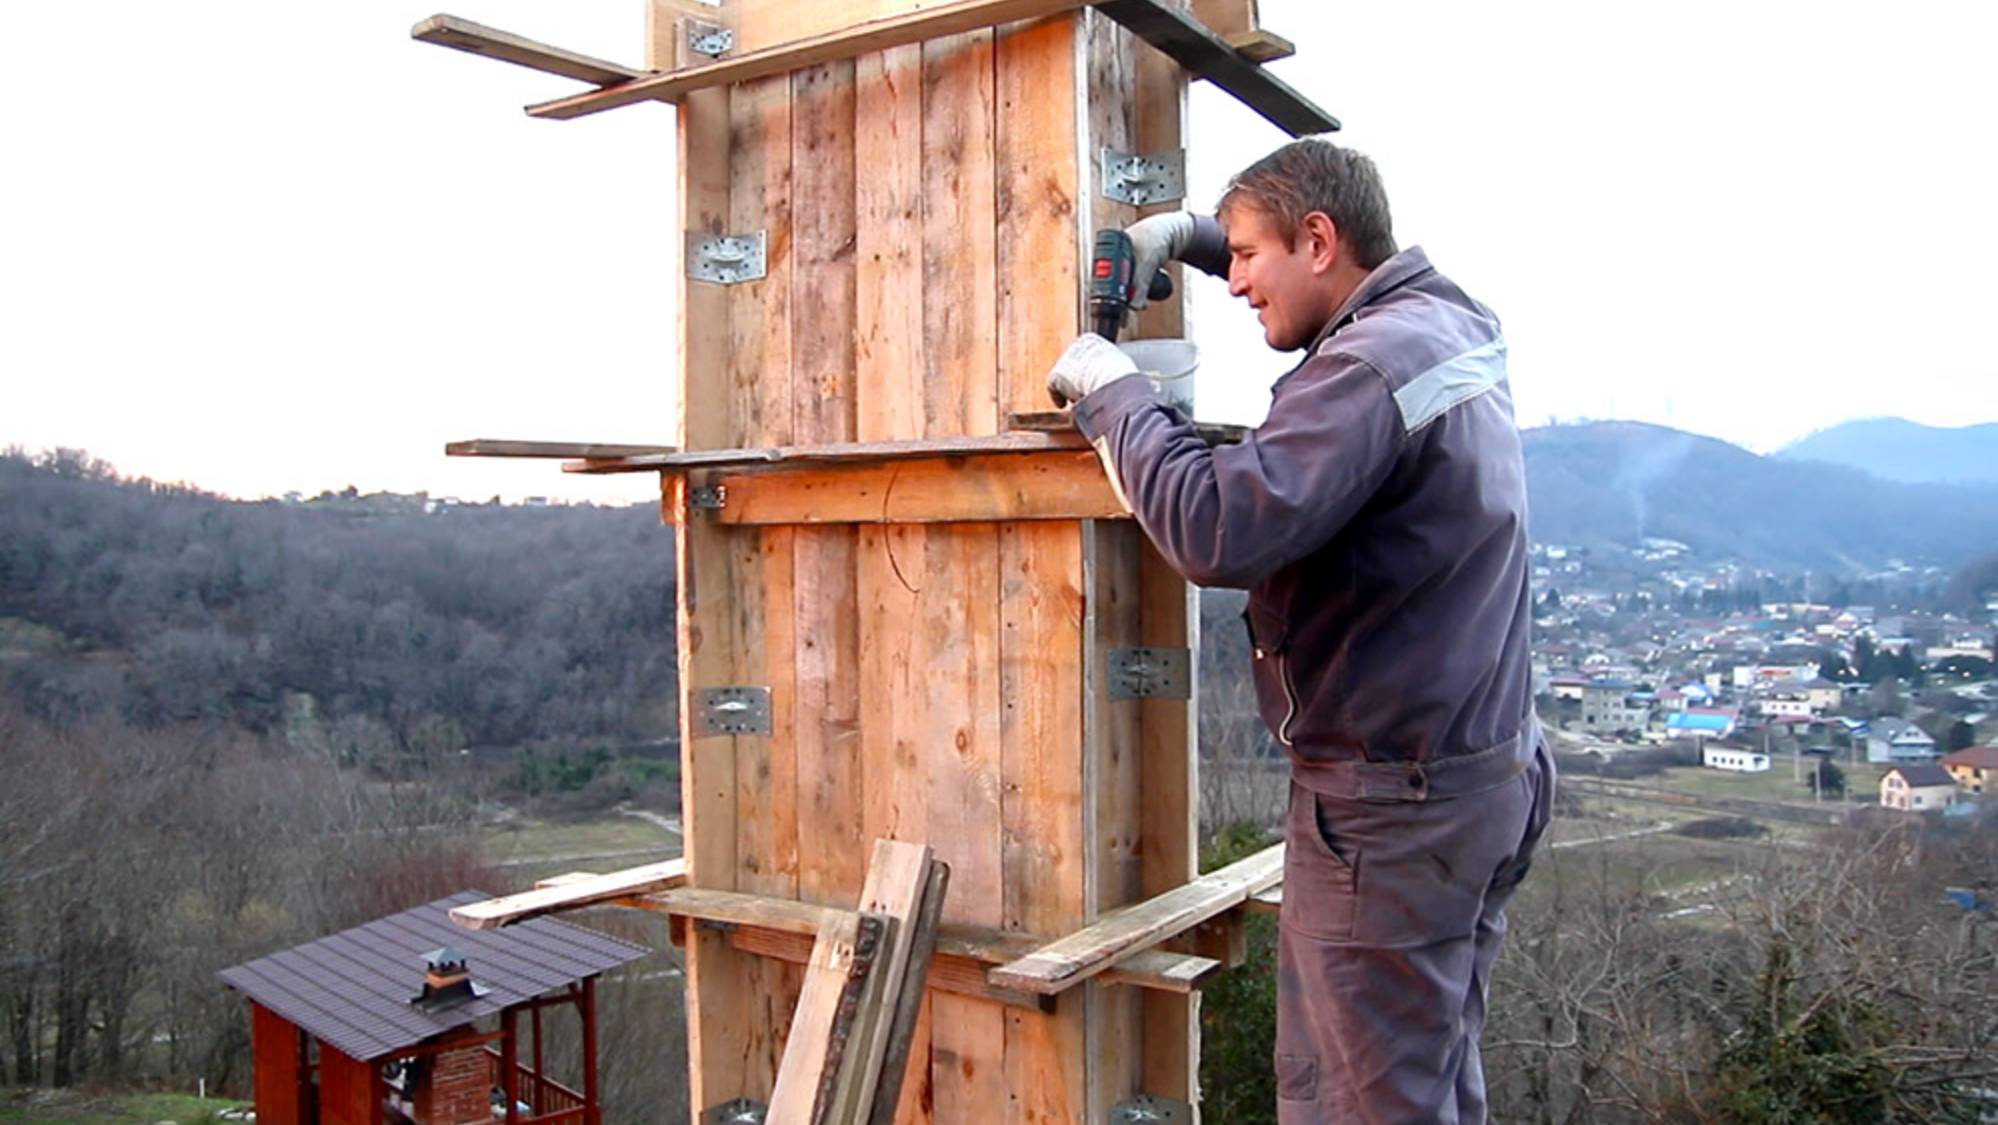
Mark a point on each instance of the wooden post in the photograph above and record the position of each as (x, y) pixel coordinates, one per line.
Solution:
(510, 1064)
(587, 1007)
(540, 1076)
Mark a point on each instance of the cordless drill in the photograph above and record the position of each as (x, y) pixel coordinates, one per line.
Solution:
(1111, 283)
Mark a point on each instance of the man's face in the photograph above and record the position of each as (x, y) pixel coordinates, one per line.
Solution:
(1283, 279)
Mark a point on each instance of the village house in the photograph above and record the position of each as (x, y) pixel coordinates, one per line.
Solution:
(1894, 740)
(1747, 676)
(1974, 770)
(1698, 722)
(1919, 787)
(1613, 706)
(1807, 698)
(1733, 758)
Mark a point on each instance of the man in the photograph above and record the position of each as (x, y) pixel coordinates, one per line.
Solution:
(1378, 519)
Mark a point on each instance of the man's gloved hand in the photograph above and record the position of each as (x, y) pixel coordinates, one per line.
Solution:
(1156, 240)
(1089, 365)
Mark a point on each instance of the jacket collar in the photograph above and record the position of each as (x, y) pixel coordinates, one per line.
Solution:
(1389, 275)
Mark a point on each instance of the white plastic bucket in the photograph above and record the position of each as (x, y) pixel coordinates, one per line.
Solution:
(1169, 364)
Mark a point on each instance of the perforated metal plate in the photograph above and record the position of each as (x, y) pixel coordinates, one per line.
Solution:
(725, 259)
(1148, 1109)
(734, 710)
(710, 39)
(1157, 177)
(1150, 673)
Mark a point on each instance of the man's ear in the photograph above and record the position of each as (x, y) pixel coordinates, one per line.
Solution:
(1321, 236)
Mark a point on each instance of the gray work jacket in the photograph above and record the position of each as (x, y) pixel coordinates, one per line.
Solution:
(1378, 520)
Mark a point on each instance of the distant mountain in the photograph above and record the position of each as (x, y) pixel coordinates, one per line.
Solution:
(1897, 449)
(1618, 482)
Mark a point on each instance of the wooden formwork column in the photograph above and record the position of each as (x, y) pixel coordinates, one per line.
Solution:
(926, 212)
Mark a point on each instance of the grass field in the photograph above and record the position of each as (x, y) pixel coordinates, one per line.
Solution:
(67, 1107)
(526, 850)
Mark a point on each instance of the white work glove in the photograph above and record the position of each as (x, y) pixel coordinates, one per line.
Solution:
(1089, 365)
(1156, 240)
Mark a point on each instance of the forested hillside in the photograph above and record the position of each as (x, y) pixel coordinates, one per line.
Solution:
(229, 727)
(356, 617)
(1617, 482)
(1897, 449)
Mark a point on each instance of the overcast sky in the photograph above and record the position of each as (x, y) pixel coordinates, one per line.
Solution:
(276, 246)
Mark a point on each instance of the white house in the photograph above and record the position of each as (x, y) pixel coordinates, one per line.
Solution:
(1924, 787)
(1748, 675)
(1728, 758)
(1780, 704)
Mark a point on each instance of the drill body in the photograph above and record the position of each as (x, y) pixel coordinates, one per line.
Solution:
(1112, 282)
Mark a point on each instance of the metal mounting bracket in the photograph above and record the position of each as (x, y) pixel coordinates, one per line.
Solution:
(724, 259)
(1150, 673)
(710, 39)
(1150, 1109)
(741, 1111)
(734, 710)
(1158, 177)
(707, 497)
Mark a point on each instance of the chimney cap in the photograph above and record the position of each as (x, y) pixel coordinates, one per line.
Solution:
(443, 958)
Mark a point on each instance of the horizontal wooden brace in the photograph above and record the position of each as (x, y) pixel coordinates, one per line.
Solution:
(1260, 46)
(1189, 43)
(552, 450)
(478, 39)
(841, 453)
(570, 892)
(785, 928)
(1268, 901)
(1063, 422)
(846, 43)
(1065, 485)
(1180, 36)
(1129, 929)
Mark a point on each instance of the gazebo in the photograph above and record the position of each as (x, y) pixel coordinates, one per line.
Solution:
(389, 1021)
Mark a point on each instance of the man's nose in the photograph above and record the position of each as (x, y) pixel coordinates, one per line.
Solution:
(1238, 284)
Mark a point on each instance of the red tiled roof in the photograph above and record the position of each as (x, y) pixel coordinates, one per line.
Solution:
(1977, 758)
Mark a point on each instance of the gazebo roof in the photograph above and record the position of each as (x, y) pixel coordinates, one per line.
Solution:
(353, 990)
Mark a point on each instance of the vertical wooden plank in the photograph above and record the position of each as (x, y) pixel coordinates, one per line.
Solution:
(760, 342)
(1168, 827)
(1040, 182)
(823, 158)
(959, 237)
(960, 749)
(718, 1021)
(1037, 149)
(1116, 797)
(889, 252)
(278, 1073)
(1112, 730)
(833, 857)
(888, 398)
(1045, 781)
(762, 400)
(963, 755)
(760, 406)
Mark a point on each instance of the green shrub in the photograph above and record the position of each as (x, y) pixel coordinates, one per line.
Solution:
(1238, 1009)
